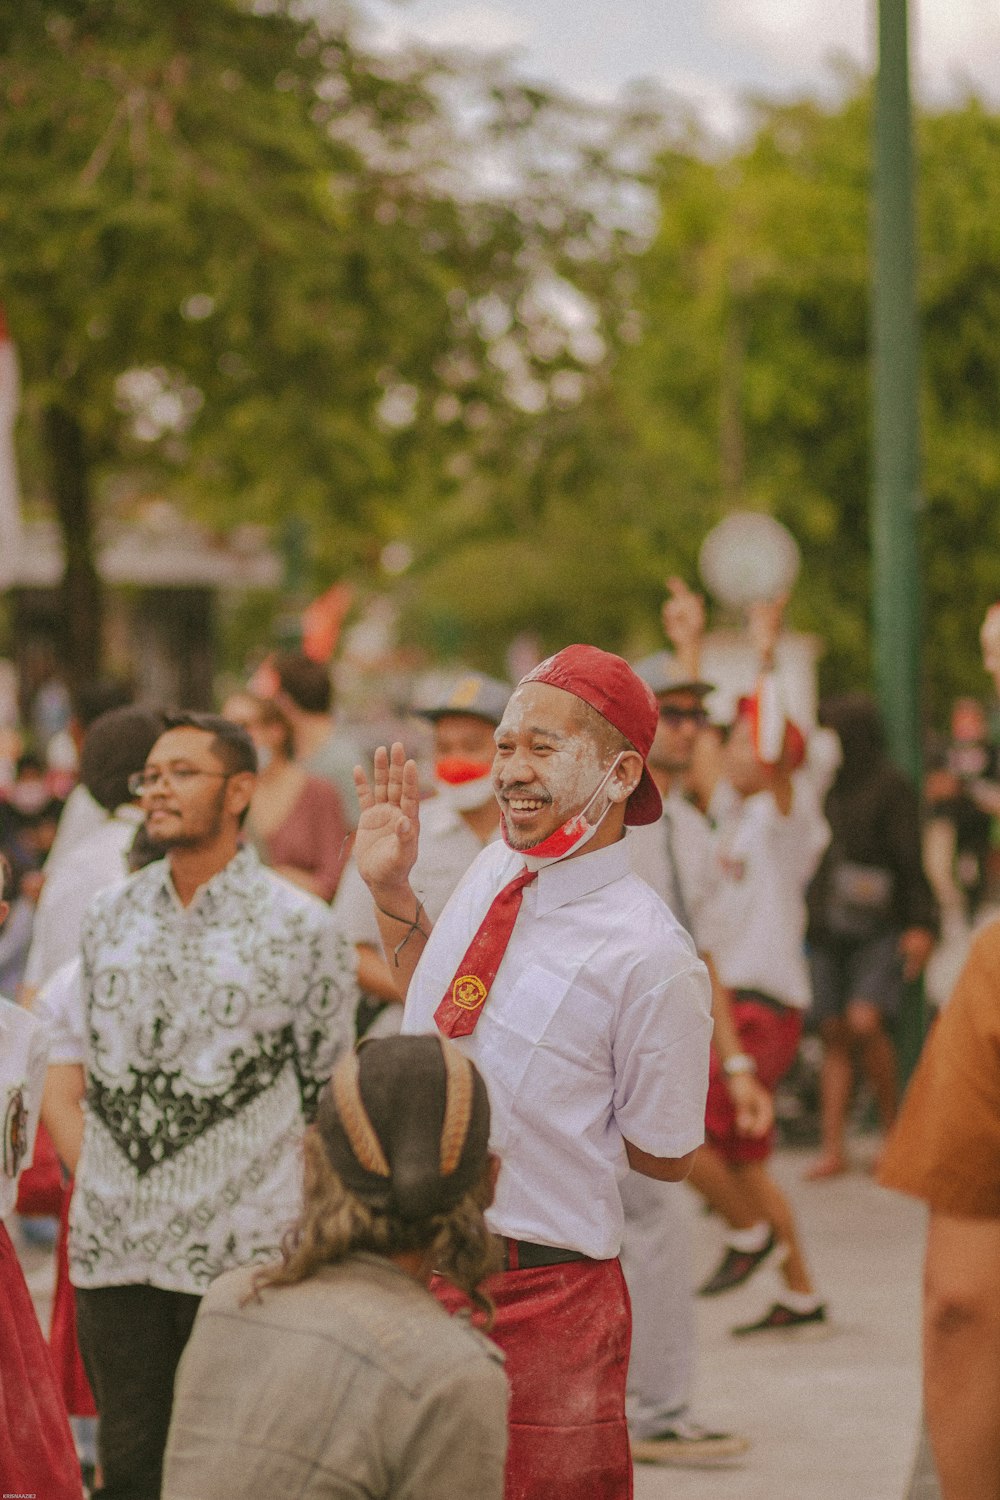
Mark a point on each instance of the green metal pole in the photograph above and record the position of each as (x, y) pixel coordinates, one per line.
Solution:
(896, 422)
(896, 400)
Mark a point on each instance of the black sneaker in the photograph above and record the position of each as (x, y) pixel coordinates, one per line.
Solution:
(785, 1320)
(687, 1443)
(736, 1267)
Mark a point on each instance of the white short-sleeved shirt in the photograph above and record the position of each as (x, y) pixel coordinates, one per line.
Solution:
(81, 816)
(97, 861)
(447, 848)
(59, 1003)
(210, 1030)
(679, 849)
(758, 918)
(595, 1031)
(24, 1045)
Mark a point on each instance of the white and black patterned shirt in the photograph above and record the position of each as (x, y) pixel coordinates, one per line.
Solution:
(209, 1032)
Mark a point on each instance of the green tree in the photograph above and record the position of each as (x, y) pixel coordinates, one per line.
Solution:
(753, 367)
(279, 276)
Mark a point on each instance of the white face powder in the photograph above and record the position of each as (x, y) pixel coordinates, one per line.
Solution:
(546, 768)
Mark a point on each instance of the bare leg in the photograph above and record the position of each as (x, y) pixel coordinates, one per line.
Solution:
(836, 1080)
(962, 1354)
(723, 1188)
(769, 1202)
(878, 1056)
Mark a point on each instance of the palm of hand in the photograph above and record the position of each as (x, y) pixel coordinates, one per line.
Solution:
(386, 842)
(385, 845)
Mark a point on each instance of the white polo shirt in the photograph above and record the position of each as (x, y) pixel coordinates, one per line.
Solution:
(595, 1031)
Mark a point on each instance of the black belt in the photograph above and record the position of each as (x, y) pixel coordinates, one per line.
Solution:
(523, 1255)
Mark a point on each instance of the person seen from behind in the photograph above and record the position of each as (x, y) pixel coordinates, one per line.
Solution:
(303, 690)
(335, 1372)
(872, 922)
(296, 820)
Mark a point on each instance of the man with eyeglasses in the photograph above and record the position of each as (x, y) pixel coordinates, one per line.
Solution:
(677, 857)
(216, 998)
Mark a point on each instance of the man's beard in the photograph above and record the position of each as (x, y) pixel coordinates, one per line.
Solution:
(191, 840)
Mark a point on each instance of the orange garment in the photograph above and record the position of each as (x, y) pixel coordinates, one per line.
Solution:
(945, 1147)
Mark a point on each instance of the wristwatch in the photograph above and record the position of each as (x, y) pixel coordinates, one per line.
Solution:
(740, 1062)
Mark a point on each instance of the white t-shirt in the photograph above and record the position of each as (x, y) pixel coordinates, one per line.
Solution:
(24, 1045)
(81, 816)
(59, 1003)
(758, 916)
(97, 861)
(595, 1031)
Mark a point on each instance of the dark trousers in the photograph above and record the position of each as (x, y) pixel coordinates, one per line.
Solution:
(131, 1339)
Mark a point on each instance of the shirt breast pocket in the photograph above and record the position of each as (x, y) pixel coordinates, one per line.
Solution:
(547, 1019)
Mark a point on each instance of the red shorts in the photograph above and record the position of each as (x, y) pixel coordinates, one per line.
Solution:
(769, 1033)
(565, 1332)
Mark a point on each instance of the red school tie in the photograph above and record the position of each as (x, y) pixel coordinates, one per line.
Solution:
(465, 997)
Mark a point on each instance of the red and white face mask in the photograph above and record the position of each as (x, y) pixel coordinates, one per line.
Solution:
(464, 782)
(571, 835)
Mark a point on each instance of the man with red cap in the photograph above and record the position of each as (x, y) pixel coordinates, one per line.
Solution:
(586, 1008)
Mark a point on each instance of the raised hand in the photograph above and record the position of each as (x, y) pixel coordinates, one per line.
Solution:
(386, 843)
(764, 620)
(683, 616)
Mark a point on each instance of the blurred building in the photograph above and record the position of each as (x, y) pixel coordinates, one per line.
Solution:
(167, 582)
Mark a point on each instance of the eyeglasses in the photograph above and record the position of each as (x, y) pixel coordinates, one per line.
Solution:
(175, 777)
(671, 714)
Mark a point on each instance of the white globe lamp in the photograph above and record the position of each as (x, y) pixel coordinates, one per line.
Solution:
(747, 558)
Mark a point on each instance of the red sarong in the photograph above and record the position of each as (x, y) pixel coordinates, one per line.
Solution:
(37, 1456)
(565, 1332)
(66, 1360)
(40, 1189)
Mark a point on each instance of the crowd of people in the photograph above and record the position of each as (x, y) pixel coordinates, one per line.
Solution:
(580, 957)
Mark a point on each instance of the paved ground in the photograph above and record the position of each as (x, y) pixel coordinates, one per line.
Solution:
(834, 1419)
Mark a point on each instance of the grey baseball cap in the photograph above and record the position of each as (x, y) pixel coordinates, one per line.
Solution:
(663, 674)
(469, 693)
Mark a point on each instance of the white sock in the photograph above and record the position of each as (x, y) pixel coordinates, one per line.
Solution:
(800, 1302)
(750, 1240)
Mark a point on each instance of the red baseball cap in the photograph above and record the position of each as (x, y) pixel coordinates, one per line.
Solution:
(610, 686)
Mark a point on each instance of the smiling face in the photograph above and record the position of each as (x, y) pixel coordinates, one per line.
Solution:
(547, 766)
(195, 800)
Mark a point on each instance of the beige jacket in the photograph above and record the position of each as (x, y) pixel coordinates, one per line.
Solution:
(354, 1383)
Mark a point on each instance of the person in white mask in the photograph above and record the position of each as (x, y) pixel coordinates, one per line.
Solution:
(456, 824)
(586, 1008)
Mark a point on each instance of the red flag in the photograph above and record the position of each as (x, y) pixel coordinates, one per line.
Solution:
(322, 620)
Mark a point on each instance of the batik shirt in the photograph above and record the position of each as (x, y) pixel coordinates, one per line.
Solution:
(209, 1032)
